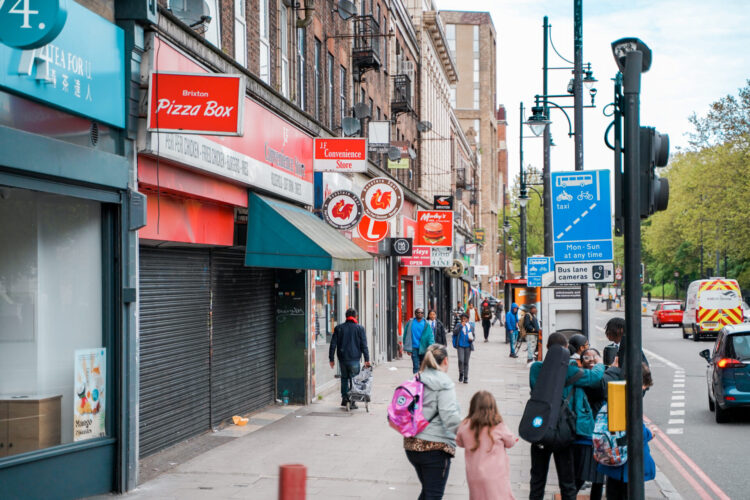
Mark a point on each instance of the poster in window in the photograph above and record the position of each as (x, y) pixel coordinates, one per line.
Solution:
(89, 399)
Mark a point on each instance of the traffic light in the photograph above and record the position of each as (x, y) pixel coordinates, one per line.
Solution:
(654, 189)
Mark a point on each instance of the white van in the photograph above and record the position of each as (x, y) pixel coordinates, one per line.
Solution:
(711, 305)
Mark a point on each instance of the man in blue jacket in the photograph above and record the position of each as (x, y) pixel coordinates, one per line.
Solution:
(349, 342)
(418, 336)
(511, 325)
(564, 461)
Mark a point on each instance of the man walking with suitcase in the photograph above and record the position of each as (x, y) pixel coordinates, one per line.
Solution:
(349, 342)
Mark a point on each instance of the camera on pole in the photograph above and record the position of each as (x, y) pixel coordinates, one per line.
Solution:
(654, 189)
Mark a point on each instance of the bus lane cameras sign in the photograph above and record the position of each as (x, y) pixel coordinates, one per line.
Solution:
(582, 216)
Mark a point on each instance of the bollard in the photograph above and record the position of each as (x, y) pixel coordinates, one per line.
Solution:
(616, 405)
(292, 482)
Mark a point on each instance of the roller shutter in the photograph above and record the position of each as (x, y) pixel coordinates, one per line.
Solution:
(174, 346)
(243, 356)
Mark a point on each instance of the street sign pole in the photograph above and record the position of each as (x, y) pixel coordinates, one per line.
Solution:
(632, 234)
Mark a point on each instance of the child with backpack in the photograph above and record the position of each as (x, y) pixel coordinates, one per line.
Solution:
(485, 438)
(431, 450)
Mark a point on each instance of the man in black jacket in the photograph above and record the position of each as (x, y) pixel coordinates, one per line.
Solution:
(349, 342)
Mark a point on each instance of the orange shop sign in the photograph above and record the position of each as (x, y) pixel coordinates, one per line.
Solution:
(340, 155)
(434, 228)
(196, 103)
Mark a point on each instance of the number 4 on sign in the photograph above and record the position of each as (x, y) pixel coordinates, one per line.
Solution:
(25, 11)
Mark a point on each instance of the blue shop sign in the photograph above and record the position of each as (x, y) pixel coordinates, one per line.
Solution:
(81, 71)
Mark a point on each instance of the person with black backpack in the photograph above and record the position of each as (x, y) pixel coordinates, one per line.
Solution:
(552, 433)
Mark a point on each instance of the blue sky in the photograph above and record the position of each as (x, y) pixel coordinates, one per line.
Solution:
(701, 52)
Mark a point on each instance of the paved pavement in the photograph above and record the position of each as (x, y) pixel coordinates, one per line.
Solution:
(348, 455)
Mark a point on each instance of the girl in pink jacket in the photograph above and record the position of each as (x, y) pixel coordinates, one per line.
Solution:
(485, 438)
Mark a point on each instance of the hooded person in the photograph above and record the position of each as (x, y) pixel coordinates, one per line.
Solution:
(511, 326)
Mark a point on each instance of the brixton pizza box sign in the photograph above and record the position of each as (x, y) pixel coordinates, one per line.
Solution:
(196, 104)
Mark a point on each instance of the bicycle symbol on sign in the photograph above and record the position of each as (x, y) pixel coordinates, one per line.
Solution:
(585, 195)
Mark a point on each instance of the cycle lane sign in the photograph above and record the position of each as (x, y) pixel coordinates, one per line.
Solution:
(582, 216)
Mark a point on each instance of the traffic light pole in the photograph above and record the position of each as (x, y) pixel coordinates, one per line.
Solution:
(632, 234)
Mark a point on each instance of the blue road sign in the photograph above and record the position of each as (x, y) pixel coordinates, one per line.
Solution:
(535, 269)
(581, 216)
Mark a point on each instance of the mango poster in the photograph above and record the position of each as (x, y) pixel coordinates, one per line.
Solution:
(89, 398)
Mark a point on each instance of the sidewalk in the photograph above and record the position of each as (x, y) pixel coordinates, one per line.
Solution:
(350, 455)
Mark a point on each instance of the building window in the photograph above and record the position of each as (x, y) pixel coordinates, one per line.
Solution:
(52, 359)
(191, 12)
(284, 43)
(265, 46)
(450, 30)
(476, 96)
(301, 73)
(342, 92)
(240, 32)
(477, 129)
(476, 39)
(453, 96)
(318, 55)
(331, 107)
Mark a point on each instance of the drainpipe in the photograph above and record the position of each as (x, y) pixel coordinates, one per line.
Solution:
(307, 20)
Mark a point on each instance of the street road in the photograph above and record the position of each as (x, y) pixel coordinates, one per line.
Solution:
(701, 458)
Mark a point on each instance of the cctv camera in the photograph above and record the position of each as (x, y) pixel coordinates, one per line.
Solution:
(622, 47)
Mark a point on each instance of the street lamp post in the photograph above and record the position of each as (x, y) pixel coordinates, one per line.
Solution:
(522, 195)
(506, 229)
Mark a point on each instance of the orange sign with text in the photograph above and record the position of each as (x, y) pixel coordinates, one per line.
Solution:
(372, 230)
(434, 228)
(196, 104)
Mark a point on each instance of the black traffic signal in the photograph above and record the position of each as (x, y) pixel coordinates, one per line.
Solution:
(654, 189)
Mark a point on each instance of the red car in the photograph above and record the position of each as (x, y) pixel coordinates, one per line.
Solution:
(667, 313)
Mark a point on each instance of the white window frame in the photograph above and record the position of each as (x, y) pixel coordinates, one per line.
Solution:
(240, 32)
(264, 61)
(284, 45)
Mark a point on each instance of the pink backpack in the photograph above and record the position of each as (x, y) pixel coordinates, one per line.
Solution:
(405, 411)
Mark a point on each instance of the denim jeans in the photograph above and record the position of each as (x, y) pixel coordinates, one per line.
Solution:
(416, 360)
(464, 353)
(432, 469)
(348, 371)
(513, 340)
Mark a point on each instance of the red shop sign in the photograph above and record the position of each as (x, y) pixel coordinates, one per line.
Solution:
(434, 228)
(196, 104)
(371, 230)
(420, 257)
(340, 155)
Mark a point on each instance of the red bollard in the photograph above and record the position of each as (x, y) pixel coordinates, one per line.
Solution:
(292, 482)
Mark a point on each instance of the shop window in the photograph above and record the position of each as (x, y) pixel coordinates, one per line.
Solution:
(53, 366)
(327, 304)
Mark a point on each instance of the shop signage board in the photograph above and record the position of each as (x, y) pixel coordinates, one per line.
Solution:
(89, 398)
(22, 27)
(584, 272)
(342, 209)
(481, 270)
(379, 136)
(441, 256)
(471, 249)
(442, 202)
(84, 75)
(401, 246)
(456, 268)
(434, 228)
(479, 235)
(274, 155)
(420, 257)
(401, 164)
(581, 216)
(372, 230)
(536, 267)
(382, 198)
(568, 293)
(192, 103)
(347, 154)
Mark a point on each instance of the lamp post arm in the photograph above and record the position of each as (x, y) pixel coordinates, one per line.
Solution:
(540, 100)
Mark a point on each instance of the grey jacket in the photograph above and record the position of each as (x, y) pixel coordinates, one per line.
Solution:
(440, 399)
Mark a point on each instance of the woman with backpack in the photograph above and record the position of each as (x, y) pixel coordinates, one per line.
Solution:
(583, 450)
(485, 438)
(430, 452)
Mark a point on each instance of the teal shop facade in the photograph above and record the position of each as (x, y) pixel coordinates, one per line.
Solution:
(69, 215)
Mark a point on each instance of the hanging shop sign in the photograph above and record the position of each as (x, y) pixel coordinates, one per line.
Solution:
(481, 270)
(479, 235)
(471, 249)
(372, 230)
(441, 256)
(382, 198)
(420, 257)
(456, 268)
(196, 103)
(342, 209)
(442, 202)
(81, 74)
(401, 164)
(89, 399)
(401, 247)
(434, 228)
(273, 155)
(22, 27)
(340, 155)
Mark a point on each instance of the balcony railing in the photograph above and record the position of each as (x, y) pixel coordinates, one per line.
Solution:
(401, 99)
(366, 46)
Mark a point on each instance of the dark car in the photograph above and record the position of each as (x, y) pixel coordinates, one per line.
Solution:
(728, 373)
(667, 313)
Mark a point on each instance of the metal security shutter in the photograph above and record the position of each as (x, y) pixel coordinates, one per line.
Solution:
(174, 346)
(243, 345)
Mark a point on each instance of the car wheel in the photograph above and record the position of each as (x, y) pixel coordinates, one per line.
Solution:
(696, 335)
(658, 324)
(684, 335)
(722, 416)
(711, 406)
(653, 323)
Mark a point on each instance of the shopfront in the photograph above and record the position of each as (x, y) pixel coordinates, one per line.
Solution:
(227, 307)
(65, 299)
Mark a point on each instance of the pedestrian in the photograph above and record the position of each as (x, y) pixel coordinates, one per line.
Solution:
(457, 312)
(349, 342)
(531, 328)
(486, 318)
(437, 327)
(417, 337)
(615, 332)
(583, 448)
(430, 452)
(617, 476)
(563, 456)
(577, 344)
(485, 437)
(473, 314)
(511, 326)
(498, 314)
(463, 340)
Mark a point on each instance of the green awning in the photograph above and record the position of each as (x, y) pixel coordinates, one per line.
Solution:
(286, 236)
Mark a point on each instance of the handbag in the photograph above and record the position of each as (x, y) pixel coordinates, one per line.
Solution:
(470, 335)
